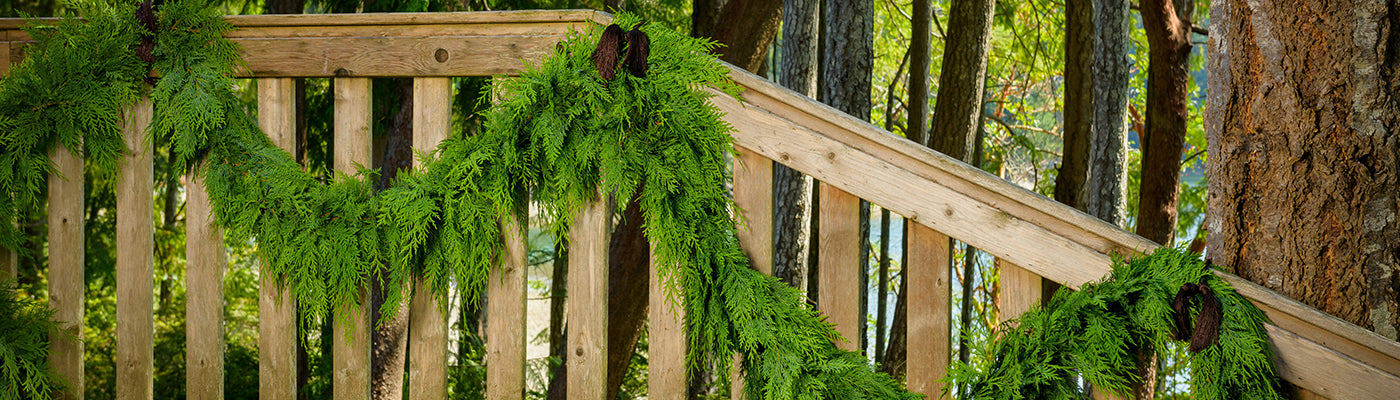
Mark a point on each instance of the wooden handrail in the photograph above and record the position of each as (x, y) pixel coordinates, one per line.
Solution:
(1316, 351)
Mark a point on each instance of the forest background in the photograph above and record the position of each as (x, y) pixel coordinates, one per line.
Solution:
(1020, 138)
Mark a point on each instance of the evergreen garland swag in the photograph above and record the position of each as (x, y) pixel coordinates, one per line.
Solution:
(563, 135)
(1096, 332)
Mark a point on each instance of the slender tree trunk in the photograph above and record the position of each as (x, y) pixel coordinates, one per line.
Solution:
(704, 14)
(920, 56)
(1071, 181)
(1168, 28)
(964, 77)
(1303, 129)
(792, 190)
(1108, 152)
(389, 341)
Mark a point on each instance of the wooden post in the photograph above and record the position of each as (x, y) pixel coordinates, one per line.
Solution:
(352, 150)
(588, 301)
(427, 325)
(929, 310)
(135, 245)
(66, 250)
(505, 333)
(839, 257)
(666, 371)
(204, 295)
(753, 194)
(277, 329)
(1020, 289)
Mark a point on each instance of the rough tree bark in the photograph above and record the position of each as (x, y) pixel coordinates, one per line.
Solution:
(963, 78)
(745, 28)
(792, 190)
(1108, 150)
(1303, 129)
(1168, 28)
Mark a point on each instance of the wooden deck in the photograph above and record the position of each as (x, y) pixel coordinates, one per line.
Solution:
(1031, 236)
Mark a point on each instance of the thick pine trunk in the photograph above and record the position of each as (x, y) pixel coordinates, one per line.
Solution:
(1303, 129)
(792, 190)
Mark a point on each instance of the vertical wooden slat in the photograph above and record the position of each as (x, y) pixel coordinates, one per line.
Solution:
(352, 150)
(839, 257)
(929, 310)
(588, 301)
(1020, 289)
(753, 194)
(9, 264)
(666, 361)
(505, 333)
(204, 299)
(66, 269)
(135, 258)
(9, 260)
(277, 330)
(427, 325)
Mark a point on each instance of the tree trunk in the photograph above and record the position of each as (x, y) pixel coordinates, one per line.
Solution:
(964, 76)
(791, 189)
(746, 29)
(920, 56)
(1071, 181)
(1168, 30)
(704, 15)
(1108, 151)
(1303, 129)
(850, 38)
(389, 341)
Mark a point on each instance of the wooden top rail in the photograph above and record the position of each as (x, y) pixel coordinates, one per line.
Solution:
(384, 45)
(1316, 351)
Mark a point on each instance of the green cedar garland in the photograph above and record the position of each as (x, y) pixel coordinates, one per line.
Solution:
(24, 346)
(1094, 333)
(562, 135)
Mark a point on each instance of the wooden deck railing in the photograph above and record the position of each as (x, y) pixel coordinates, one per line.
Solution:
(1031, 236)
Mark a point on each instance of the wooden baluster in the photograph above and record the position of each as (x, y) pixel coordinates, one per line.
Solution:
(427, 325)
(1020, 289)
(588, 301)
(205, 262)
(753, 194)
(352, 151)
(135, 246)
(505, 332)
(66, 250)
(666, 371)
(838, 282)
(929, 309)
(277, 329)
(9, 260)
